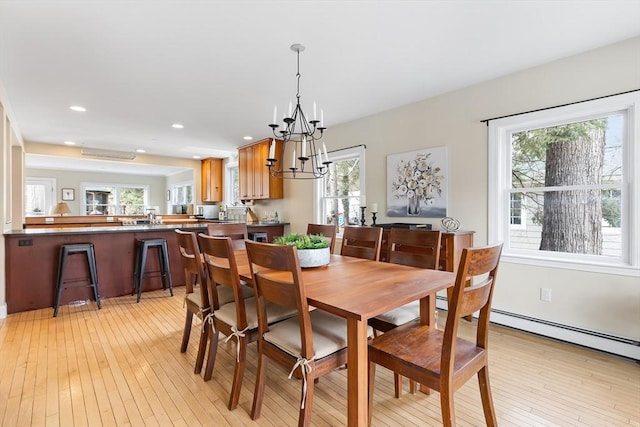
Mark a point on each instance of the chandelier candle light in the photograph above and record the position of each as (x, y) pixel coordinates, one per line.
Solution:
(298, 135)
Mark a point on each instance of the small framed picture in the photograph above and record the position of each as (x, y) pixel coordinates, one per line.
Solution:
(68, 194)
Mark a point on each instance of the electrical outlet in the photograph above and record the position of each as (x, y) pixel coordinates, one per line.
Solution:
(545, 294)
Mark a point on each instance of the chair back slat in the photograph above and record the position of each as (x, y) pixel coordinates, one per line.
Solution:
(418, 248)
(474, 298)
(236, 231)
(327, 230)
(362, 242)
(222, 267)
(192, 264)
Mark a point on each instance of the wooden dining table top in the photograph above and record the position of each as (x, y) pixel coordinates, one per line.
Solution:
(359, 288)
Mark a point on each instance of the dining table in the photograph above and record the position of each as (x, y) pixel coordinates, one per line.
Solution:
(357, 290)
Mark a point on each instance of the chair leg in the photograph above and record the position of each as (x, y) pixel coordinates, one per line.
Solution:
(412, 386)
(187, 332)
(397, 385)
(372, 380)
(304, 419)
(446, 406)
(485, 394)
(258, 394)
(202, 347)
(238, 374)
(213, 351)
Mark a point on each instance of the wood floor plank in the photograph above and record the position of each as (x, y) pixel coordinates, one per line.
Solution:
(121, 366)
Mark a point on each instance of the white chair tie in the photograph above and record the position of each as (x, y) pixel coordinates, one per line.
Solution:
(305, 367)
(208, 319)
(239, 334)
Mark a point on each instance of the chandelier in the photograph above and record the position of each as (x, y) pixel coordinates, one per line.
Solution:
(298, 156)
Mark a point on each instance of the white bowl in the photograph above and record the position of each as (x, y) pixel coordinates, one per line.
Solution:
(314, 257)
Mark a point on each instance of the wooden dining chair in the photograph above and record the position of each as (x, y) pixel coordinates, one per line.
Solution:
(326, 230)
(311, 344)
(197, 298)
(238, 320)
(237, 231)
(362, 242)
(417, 248)
(439, 359)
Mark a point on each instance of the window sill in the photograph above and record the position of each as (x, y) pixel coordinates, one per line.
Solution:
(619, 269)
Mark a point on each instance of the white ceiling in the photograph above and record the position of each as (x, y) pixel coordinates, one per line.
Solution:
(219, 67)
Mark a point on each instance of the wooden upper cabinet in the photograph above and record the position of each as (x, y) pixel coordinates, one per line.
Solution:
(211, 174)
(255, 180)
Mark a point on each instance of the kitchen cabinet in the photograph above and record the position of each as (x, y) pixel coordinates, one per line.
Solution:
(211, 174)
(255, 180)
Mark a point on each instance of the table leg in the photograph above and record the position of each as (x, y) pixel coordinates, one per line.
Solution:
(357, 369)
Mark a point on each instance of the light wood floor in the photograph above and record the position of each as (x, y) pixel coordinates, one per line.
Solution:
(121, 366)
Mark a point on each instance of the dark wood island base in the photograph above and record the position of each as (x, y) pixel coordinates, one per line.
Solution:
(32, 262)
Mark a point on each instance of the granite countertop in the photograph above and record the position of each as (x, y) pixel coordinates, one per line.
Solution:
(114, 229)
(139, 228)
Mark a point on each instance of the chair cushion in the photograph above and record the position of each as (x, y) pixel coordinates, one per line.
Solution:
(401, 315)
(194, 298)
(225, 294)
(275, 313)
(329, 334)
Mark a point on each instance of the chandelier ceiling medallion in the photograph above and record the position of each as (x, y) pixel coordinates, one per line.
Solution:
(297, 156)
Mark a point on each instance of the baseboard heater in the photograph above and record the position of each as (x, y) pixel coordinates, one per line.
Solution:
(604, 342)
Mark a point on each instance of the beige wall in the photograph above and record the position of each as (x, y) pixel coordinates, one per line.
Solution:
(598, 302)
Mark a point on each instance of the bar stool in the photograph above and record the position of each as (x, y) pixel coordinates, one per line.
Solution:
(142, 247)
(65, 252)
(259, 236)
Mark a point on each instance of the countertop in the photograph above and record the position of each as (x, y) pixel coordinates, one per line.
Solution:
(126, 228)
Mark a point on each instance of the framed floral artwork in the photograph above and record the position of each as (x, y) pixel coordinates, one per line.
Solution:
(417, 183)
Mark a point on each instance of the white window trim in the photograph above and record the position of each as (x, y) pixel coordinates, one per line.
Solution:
(174, 186)
(499, 183)
(340, 154)
(50, 199)
(228, 182)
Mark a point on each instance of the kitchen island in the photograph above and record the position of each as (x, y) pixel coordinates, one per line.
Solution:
(31, 259)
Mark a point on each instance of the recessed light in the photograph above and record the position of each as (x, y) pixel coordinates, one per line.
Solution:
(196, 157)
(177, 126)
(78, 108)
(69, 143)
(247, 138)
(140, 150)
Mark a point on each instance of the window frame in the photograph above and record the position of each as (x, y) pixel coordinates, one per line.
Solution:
(319, 184)
(231, 172)
(174, 191)
(116, 188)
(50, 198)
(499, 171)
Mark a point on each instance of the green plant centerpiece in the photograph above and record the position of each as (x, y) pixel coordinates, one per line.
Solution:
(313, 249)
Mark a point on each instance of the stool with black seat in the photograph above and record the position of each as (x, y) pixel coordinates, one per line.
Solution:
(142, 248)
(65, 252)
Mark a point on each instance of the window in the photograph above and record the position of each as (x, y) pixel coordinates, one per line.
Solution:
(39, 196)
(564, 187)
(232, 184)
(182, 193)
(337, 195)
(516, 209)
(115, 199)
